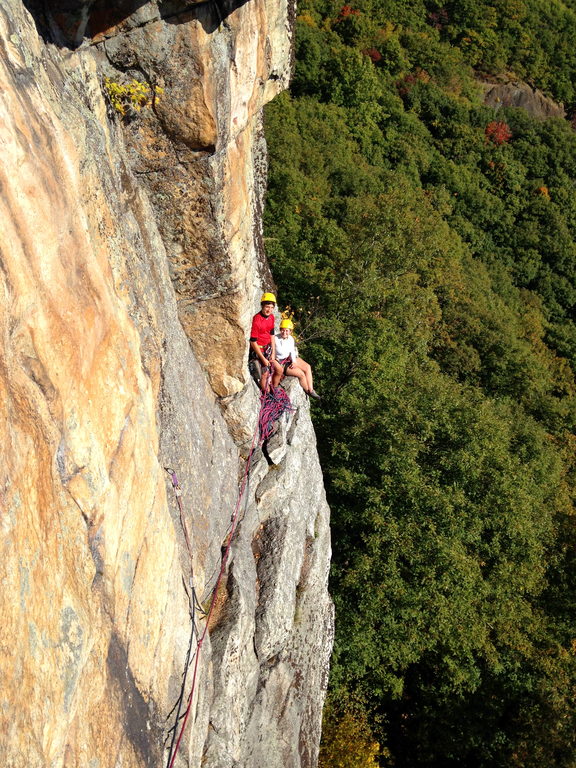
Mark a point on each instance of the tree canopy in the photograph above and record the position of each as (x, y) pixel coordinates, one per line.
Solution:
(426, 244)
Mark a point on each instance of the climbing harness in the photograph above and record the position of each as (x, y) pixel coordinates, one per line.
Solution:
(273, 403)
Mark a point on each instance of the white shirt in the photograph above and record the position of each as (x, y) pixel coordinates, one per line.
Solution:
(285, 348)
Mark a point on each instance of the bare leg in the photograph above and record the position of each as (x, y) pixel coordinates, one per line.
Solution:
(277, 373)
(266, 370)
(300, 375)
(303, 366)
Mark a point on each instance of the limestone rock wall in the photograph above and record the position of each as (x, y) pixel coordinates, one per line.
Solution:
(130, 264)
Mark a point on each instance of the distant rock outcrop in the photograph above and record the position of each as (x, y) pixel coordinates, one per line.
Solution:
(130, 264)
(518, 94)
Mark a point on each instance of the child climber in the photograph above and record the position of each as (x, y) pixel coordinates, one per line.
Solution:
(292, 364)
(263, 341)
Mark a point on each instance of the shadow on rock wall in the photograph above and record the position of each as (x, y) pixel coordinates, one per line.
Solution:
(67, 24)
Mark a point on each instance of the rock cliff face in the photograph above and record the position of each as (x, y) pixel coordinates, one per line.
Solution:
(131, 263)
(521, 95)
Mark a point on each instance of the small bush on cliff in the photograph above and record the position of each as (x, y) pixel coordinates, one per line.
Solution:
(132, 96)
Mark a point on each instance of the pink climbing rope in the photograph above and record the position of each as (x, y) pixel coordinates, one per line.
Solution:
(273, 403)
(213, 599)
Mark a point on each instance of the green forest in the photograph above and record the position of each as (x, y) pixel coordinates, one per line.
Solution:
(426, 244)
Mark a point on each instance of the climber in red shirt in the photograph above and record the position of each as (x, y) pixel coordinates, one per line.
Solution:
(263, 342)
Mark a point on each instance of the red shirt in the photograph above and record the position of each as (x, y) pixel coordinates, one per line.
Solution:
(262, 329)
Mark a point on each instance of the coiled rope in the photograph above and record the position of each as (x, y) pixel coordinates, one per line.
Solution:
(274, 403)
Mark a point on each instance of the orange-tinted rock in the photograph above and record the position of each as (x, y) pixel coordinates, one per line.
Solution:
(100, 390)
(200, 156)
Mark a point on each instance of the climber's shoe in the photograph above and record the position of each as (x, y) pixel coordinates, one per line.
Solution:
(314, 394)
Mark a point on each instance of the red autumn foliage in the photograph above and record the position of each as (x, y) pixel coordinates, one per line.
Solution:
(373, 54)
(346, 11)
(498, 132)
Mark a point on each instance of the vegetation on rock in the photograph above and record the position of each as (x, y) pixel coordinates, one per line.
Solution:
(440, 237)
(131, 96)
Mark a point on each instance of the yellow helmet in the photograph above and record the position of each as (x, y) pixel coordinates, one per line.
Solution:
(286, 323)
(268, 297)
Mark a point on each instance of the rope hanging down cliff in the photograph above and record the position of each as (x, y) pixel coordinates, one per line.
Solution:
(194, 604)
(273, 403)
